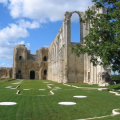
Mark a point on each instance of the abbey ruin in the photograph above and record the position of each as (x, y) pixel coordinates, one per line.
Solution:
(56, 62)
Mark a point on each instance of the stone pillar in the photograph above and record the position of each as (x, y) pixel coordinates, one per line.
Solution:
(81, 33)
(61, 64)
(57, 63)
(99, 70)
(40, 76)
(52, 63)
(85, 68)
(66, 74)
(91, 72)
(94, 74)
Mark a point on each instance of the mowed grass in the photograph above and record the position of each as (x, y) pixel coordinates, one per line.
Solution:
(35, 104)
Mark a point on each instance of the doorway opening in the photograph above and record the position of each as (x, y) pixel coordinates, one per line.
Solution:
(45, 74)
(32, 74)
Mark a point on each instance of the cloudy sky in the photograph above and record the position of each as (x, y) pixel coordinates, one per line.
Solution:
(35, 23)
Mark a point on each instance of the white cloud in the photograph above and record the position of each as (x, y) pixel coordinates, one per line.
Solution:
(13, 32)
(52, 10)
(5, 65)
(10, 36)
(28, 45)
(6, 50)
(27, 24)
(5, 2)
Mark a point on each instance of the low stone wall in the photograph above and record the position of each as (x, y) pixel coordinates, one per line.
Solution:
(5, 72)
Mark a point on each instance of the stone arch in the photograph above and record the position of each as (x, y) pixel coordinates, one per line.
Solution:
(67, 24)
(77, 12)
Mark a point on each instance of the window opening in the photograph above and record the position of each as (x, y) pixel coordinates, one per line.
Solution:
(75, 28)
(20, 57)
(45, 58)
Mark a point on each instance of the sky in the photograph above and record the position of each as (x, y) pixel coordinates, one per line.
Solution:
(35, 23)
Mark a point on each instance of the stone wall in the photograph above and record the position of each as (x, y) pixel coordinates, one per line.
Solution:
(24, 63)
(5, 72)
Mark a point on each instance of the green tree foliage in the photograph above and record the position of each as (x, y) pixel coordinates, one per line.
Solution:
(103, 39)
(115, 77)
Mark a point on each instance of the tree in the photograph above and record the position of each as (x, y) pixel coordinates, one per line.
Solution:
(103, 39)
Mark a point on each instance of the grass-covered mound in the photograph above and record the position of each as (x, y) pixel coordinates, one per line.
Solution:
(35, 104)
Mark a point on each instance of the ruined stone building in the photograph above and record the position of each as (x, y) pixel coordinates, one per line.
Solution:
(56, 62)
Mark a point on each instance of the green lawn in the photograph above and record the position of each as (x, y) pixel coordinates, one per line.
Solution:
(35, 104)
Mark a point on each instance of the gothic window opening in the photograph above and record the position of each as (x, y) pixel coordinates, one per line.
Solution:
(20, 57)
(32, 74)
(45, 58)
(45, 72)
(75, 28)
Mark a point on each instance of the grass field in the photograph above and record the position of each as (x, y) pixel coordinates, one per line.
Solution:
(35, 104)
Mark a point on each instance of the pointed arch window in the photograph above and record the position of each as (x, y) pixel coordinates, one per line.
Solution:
(75, 28)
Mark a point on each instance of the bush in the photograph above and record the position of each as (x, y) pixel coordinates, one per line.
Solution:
(115, 77)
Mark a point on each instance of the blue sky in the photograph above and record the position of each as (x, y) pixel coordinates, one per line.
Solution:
(35, 23)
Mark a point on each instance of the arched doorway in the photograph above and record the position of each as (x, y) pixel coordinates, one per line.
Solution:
(45, 74)
(32, 74)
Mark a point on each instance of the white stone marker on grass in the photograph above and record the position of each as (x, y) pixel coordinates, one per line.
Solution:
(57, 88)
(41, 89)
(67, 103)
(26, 89)
(48, 86)
(8, 87)
(80, 96)
(15, 83)
(18, 92)
(13, 88)
(54, 89)
(8, 103)
(115, 111)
